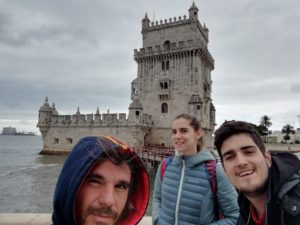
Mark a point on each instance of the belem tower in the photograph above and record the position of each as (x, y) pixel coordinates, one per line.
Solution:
(173, 76)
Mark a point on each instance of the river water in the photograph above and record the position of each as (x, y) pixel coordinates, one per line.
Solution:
(27, 179)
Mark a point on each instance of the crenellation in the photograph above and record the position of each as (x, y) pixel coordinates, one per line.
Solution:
(122, 117)
(182, 46)
(75, 119)
(168, 22)
(61, 120)
(183, 50)
(82, 120)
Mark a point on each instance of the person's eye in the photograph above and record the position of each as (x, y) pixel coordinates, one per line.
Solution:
(228, 157)
(249, 152)
(94, 181)
(122, 187)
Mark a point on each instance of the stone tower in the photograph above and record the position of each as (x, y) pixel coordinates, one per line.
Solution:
(173, 77)
(174, 74)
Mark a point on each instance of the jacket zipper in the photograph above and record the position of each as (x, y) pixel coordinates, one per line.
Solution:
(266, 216)
(179, 192)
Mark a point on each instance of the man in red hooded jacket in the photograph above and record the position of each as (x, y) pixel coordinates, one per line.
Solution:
(102, 182)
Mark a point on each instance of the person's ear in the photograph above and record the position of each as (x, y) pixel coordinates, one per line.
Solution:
(200, 133)
(268, 158)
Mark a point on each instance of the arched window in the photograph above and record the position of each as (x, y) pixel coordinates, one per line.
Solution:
(165, 85)
(167, 45)
(164, 108)
(167, 65)
(163, 65)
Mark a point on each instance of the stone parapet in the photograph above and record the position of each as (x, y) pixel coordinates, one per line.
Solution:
(40, 219)
(173, 22)
(94, 120)
(185, 49)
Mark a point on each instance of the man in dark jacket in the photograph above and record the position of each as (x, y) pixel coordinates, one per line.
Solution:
(102, 182)
(268, 184)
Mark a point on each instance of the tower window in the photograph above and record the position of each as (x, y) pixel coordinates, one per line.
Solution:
(165, 65)
(198, 107)
(56, 140)
(166, 85)
(167, 45)
(164, 108)
(137, 113)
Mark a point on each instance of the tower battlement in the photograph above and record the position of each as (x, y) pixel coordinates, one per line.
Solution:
(49, 117)
(174, 49)
(173, 22)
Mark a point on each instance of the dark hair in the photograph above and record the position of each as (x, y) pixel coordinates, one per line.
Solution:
(229, 128)
(195, 124)
(119, 153)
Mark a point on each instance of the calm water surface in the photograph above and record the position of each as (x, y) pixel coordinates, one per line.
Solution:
(27, 179)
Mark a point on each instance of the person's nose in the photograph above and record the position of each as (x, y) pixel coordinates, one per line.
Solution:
(240, 160)
(177, 135)
(107, 197)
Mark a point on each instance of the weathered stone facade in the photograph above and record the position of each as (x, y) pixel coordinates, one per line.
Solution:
(174, 76)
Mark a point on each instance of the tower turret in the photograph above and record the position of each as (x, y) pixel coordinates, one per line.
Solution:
(135, 111)
(193, 12)
(54, 111)
(45, 114)
(145, 23)
(195, 106)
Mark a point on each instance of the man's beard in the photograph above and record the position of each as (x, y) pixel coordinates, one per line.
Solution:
(256, 192)
(106, 210)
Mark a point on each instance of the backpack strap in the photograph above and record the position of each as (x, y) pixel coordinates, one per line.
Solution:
(211, 170)
(165, 163)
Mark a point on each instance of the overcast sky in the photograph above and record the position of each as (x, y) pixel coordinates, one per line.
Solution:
(80, 53)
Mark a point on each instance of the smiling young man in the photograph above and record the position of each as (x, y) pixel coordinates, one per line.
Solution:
(268, 184)
(103, 182)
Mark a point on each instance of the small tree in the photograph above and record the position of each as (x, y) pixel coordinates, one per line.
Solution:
(263, 127)
(287, 130)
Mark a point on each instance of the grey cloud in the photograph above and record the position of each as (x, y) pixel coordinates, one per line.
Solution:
(80, 53)
(295, 88)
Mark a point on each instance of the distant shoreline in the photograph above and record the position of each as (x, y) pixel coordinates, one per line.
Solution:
(20, 134)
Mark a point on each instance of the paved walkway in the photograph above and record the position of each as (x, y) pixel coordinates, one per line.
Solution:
(39, 219)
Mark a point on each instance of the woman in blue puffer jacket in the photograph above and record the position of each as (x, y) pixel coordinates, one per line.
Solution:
(183, 195)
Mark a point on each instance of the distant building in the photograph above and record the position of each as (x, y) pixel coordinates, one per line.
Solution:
(173, 76)
(278, 137)
(9, 131)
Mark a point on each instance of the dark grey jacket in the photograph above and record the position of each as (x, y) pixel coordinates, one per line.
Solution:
(283, 205)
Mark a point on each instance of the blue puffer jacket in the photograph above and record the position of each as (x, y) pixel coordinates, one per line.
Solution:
(184, 196)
